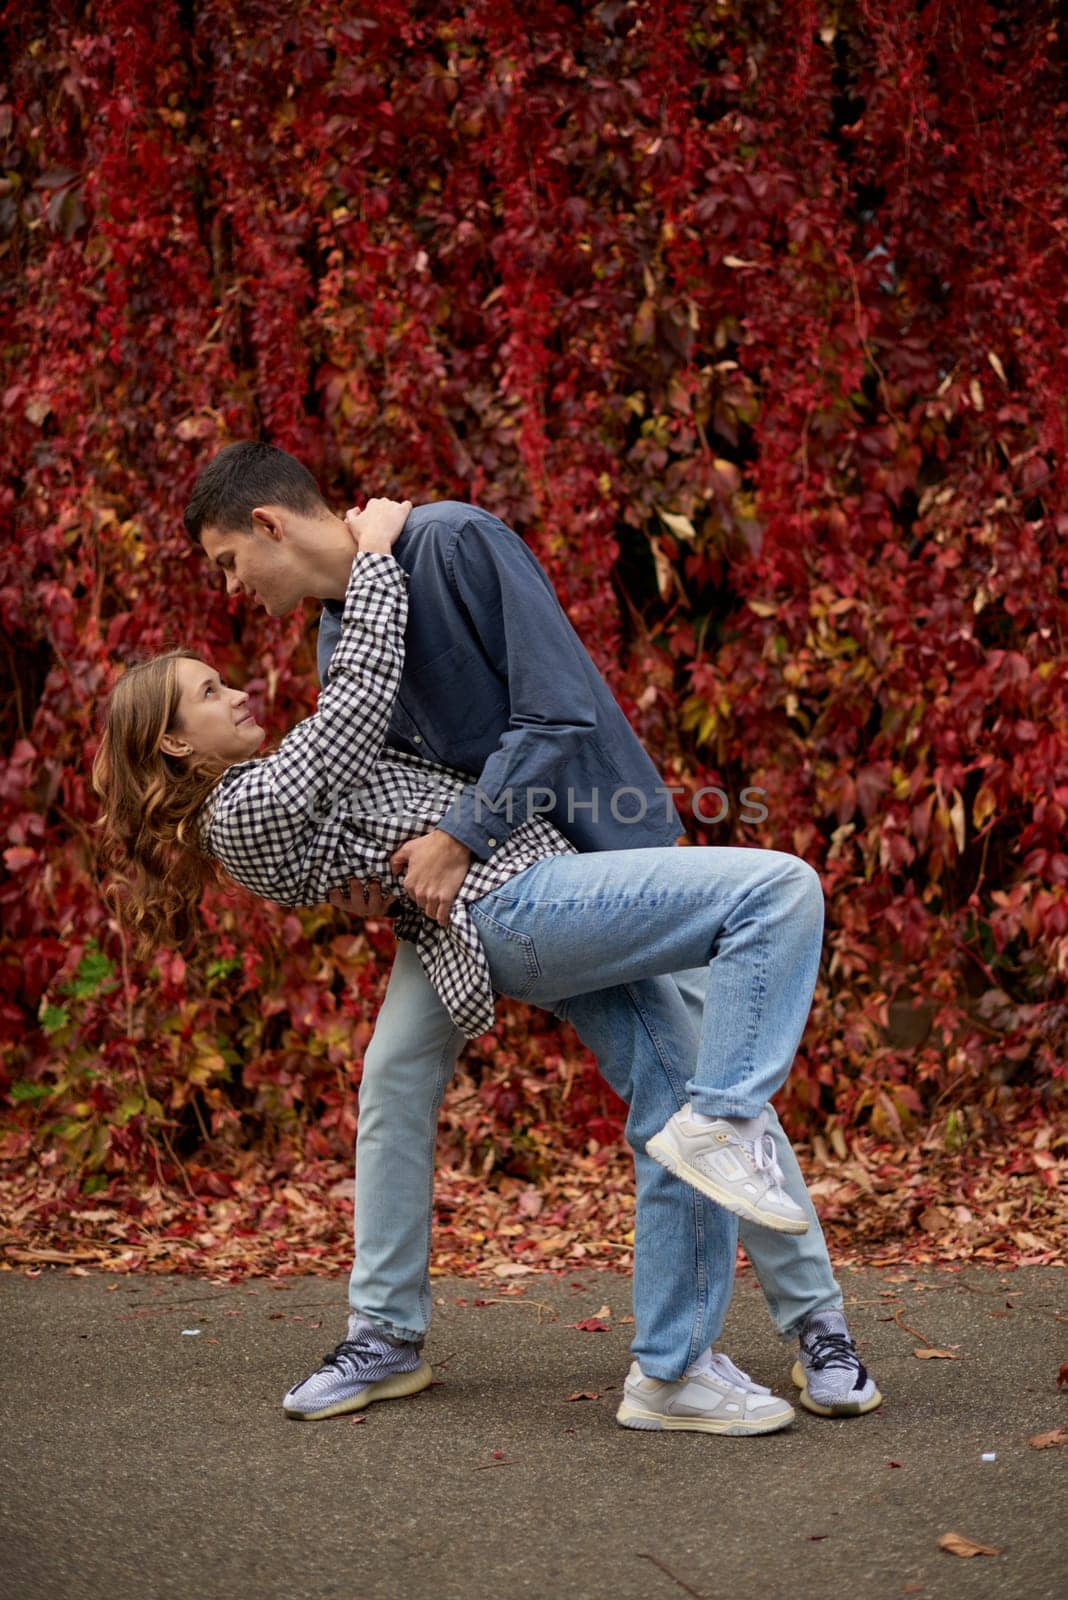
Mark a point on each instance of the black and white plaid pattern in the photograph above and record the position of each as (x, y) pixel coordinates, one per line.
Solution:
(333, 803)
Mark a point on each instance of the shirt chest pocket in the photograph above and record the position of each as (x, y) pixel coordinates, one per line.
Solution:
(456, 704)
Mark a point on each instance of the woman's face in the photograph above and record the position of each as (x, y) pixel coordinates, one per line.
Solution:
(212, 720)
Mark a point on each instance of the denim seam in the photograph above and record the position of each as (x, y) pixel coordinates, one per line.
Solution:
(702, 1308)
(730, 1105)
(413, 1335)
(522, 941)
(444, 1072)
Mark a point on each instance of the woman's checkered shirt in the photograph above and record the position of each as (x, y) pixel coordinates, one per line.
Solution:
(333, 802)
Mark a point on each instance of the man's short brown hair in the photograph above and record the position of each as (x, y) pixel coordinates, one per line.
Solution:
(243, 476)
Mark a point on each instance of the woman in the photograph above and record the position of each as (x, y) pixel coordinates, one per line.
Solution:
(181, 784)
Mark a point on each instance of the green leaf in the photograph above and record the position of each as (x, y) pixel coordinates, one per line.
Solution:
(94, 970)
(94, 1183)
(129, 1107)
(30, 1091)
(53, 1018)
(69, 1128)
(223, 967)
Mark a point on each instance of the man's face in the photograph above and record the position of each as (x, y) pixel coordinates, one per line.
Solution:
(260, 562)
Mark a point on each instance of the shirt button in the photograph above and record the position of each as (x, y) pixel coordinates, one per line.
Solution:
(417, 740)
(491, 843)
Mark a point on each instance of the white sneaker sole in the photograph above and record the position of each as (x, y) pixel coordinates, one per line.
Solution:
(661, 1150)
(845, 1408)
(394, 1388)
(629, 1416)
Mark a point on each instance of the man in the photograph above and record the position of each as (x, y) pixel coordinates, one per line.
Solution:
(497, 684)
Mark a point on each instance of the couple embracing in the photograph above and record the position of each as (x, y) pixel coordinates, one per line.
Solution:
(464, 773)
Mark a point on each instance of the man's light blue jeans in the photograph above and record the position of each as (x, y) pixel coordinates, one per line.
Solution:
(704, 962)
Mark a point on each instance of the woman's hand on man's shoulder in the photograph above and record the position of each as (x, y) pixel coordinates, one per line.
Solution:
(376, 529)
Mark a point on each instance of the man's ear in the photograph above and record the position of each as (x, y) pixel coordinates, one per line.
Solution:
(266, 520)
(172, 745)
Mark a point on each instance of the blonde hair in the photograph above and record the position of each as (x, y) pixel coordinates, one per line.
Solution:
(150, 845)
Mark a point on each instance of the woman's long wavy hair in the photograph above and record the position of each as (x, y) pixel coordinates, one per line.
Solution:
(151, 800)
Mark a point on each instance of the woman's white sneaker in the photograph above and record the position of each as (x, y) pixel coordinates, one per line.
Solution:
(740, 1174)
(712, 1396)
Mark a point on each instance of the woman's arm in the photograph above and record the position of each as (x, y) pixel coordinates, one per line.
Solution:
(267, 808)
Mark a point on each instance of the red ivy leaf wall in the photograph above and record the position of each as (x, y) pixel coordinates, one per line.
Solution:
(748, 316)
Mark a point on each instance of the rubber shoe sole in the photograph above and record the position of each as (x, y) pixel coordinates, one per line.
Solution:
(634, 1417)
(392, 1388)
(660, 1150)
(845, 1408)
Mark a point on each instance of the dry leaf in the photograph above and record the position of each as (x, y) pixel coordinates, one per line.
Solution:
(590, 1325)
(584, 1394)
(1047, 1441)
(60, 1257)
(958, 1545)
(931, 1354)
(1062, 1376)
(936, 1219)
(605, 1311)
(679, 525)
(995, 361)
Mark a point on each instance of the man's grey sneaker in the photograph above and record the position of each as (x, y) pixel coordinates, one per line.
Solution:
(712, 1396)
(740, 1174)
(367, 1365)
(831, 1376)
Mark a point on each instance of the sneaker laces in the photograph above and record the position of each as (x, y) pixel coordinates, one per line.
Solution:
(765, 1160)
(346, 1356)
(721, 1366)
(833, 1350)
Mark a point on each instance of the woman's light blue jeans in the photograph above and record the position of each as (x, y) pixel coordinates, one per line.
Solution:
(696, 952)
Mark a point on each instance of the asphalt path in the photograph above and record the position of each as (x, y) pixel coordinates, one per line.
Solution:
(145, 1455)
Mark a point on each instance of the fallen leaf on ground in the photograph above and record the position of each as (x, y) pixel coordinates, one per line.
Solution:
(605, 1311)
(355, 1420)
(1062, 1376)
(1047, 1441)
(931, 1354)
(60, 1257)
(957, 1545)
(584, 1394)
(589, 1325)
(893, 1463)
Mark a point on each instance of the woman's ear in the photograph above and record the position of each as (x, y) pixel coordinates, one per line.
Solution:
(172, 745)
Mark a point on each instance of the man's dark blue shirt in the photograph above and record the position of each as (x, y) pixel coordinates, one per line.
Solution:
(497, 682)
